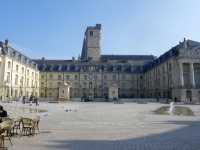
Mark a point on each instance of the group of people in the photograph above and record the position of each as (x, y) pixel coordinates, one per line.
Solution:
(32, 98)
(175, 99)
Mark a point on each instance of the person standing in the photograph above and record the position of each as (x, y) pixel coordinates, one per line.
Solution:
(24, 100)
(10, 99)
(175, 99)
(30, 100)
(37, 101)
(157, 98)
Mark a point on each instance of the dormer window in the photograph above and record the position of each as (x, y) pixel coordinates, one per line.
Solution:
(43, 67)
(76, 67)
(132, 68)
(60, 68)
(105, 68)
(122, 68)
(30, 63)
(114, 68)
(52, 67)
(68, 67)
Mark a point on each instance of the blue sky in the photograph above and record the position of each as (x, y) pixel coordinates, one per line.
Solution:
(54, 29)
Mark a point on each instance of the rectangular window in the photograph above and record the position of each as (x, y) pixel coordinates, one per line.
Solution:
(91, 33)
(141, 77)
(158, 71)
(75, 77)
(41, 94)
(36, 76)
(9, 64)
(105, 77)
(132, 77)
(123, 85)
(59, 84)
(85, 77)
(50, 94)
(36, 84)
(16, 79)
(163, 69)
(51, 76)
(185, 78)
(95, 85)
(67, 77)
(59, 77)
(22, 80)
(42, 85)
(50, 85)
(132, 85)
(114, 77)
(32, 74)
(8, 77)
(85, 85)
(95, 77)
(75, 85)
(123, 77)
(105, 85)
(170, 67)
(22, 69)
(16, 67)
(163, 81)
(32, 83)
(75, 95)
(28, 72)
(158, 82)
(42, 76)
(154, 74)
(141, 85)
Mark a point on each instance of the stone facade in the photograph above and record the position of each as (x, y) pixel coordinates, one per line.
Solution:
(173, 74)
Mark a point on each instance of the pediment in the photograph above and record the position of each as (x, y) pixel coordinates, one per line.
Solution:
(193, 53)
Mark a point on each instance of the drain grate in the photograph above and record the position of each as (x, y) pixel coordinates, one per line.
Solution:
(45, 132)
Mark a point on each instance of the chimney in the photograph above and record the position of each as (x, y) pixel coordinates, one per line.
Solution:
(43, 58)
(6, 42)
(73, 59)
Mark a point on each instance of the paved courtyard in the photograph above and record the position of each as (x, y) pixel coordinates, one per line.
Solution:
(108, 126)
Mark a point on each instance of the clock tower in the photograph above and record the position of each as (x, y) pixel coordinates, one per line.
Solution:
(91, 44)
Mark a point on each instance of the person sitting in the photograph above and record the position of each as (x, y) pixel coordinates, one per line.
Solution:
(3, 113)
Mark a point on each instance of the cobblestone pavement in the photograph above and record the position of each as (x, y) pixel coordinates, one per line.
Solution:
(108, 126)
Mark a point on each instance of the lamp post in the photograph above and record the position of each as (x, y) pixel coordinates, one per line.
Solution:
(144, 91)
(113, 95)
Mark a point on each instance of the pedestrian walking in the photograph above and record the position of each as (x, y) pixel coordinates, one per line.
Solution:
(37, 101)
(24, 100)
(175, 99)
(157, 98)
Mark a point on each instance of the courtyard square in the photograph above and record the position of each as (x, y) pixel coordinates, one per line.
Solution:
(107, 126)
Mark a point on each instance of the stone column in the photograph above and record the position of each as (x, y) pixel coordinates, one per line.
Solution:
(192, 81)
(181, 81)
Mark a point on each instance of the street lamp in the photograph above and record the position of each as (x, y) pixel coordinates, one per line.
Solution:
(113, 95)
(144, 92)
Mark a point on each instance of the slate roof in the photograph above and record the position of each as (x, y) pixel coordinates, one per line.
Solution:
(173, 52)
(7, 50)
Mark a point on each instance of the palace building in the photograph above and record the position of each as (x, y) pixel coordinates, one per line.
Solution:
(176, 73)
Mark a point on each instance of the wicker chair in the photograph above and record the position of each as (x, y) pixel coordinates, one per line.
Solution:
(28, 126)
(17, 122)
(5, 119)
(36, 120)
(6, 128)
